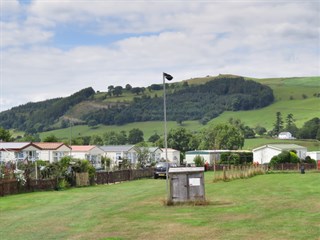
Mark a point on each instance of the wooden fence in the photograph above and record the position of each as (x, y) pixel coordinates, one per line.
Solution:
(104, 177)
(13, 186)
(277, 167)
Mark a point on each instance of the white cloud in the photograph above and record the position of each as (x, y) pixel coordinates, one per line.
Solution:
(187, 39)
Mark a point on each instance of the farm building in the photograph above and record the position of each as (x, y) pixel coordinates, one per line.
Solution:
(265, 153)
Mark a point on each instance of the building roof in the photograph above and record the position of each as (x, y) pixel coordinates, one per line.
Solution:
(169, 150)
(153, 149)
(281, 147)
(82, 148)
(117, 148)
(50, 145)
(15, 146)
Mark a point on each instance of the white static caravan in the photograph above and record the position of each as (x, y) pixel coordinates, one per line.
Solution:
(91, 153)
(52, 151)
(173, 155)
(18, 151)
(264, 154)
(210, 156)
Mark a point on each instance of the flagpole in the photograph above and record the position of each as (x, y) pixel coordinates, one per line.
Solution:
(168, 77)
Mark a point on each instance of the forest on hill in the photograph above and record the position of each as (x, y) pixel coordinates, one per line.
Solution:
(195, 102)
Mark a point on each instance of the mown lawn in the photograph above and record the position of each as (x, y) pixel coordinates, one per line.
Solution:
(273, 206)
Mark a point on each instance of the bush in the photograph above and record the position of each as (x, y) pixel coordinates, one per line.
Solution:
(199, 161)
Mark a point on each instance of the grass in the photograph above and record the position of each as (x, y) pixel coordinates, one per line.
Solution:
(311, 145)
(274, 206)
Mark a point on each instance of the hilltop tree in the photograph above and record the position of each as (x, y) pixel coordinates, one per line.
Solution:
(128, 87)
(117, 91)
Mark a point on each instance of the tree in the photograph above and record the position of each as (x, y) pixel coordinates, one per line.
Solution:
(198, 161)
(136, 90)
(96, 140)
(153, 138)
(285, 157)
(135, 136)
(5, 135)
(310, 129)
(278, 125)
(222, 136)
(117, 91)
(260, 130)
(128, 87)
(142, 151)
(290, 125)
(51, 138)
(114, 138)
(179, 139)
(92, 123)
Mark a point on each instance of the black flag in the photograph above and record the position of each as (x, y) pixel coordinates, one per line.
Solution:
(167, 76)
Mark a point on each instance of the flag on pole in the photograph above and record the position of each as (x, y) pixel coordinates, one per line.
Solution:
(167, 76)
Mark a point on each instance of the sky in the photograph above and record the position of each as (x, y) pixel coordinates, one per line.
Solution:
(54, 48)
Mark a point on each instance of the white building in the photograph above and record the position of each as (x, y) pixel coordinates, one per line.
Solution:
(210, 156)
(119, 152)
(18, 151)
(173, 155)
(265, 153)
(52, 152)
(285, 135)
(91, 153)
(315, 155)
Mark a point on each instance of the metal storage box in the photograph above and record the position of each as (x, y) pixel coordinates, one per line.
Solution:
(186, 184)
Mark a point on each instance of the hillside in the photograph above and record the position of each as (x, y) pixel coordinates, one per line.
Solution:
(195, 102)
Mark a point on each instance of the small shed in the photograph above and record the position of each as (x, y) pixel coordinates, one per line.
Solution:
(186, 184)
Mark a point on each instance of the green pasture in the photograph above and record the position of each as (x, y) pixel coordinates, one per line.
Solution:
(148, 128)
(302, 110)
(272, 206)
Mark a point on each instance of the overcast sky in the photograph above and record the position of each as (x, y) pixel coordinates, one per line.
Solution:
(53, 48)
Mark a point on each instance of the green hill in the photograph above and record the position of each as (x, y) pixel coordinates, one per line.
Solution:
(298, 96)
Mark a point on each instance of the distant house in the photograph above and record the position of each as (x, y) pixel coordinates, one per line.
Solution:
(52, 152)
(285, 135)
(265, 153)
(119, 152)
(173, 155)
(91, 153)
(18, 151)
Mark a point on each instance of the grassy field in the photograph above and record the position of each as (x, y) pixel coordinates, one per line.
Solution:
(273, 206)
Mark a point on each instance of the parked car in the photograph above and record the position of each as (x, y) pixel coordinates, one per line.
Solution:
(160, 169)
